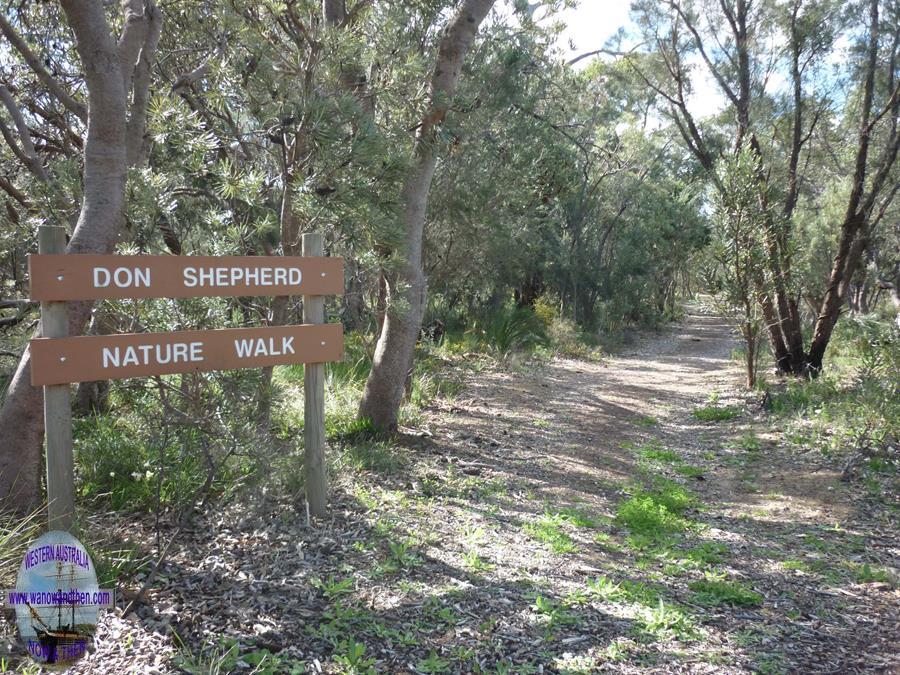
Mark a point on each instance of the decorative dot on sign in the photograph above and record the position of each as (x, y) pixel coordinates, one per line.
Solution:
(323, 274)
(60, 277)
(62, 359)
(323, 343)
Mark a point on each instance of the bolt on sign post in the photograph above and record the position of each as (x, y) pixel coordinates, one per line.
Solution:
(58, 360)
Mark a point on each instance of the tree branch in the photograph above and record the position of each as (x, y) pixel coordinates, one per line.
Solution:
(27, 153)
(37, 67)
(14, 192)
(729, 92)
(137, 121)
(132, 38)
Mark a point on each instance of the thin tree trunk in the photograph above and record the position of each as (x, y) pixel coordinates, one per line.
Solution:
(407, 288)
(290, 238)
(773, 328)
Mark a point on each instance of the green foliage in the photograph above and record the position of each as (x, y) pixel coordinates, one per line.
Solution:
(580, 518)
(216, 660)
(114, 564)
(605, 589)
(653, 516)
(549, 530)
(512, 330)
(16, 533)
(475, 563)
(855, 405)
(715, 413)
(402, 554)
(553, 613)
(708, 552)
(566, 339)
(433, 664)
(865, 573)
(646, 516)
(121, 465)
(667, 620)
(332, 588)
(659, 454)
(227, 655)
(749, 442)
(715, 591)
(737, 253)
(350, 656)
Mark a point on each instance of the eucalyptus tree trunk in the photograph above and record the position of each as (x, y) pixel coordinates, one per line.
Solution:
(407, 287)
(865, 192)
(112, 69)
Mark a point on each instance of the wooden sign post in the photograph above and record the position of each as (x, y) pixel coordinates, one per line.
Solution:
(58, 360)
(57, 404)
(314, 399)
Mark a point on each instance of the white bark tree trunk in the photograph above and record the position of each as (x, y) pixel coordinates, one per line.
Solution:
(108, 69)
(407, 289)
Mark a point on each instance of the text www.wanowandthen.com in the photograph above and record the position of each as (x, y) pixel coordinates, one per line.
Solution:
(74, 596)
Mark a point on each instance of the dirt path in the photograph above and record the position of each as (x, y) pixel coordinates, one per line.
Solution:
(495, 541)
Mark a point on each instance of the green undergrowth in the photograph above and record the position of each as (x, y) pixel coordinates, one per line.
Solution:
(718, 591)
(653, 453)
(653, 516)
(554, 529)
(16, 533)
(656, 615)
(130, 466)
(549, 530)
(715, 413)
(852, 410)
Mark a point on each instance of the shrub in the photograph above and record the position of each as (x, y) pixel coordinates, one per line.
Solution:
(513, 329)
(545, 311)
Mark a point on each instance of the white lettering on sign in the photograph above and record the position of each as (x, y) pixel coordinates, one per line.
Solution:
(237, 276)
(122, 277)
(263, 347)
(145, 355)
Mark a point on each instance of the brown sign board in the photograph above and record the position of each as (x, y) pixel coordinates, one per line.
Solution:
(56, 278)
(110, 357)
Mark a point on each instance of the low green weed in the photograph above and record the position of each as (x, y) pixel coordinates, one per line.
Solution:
(549, 530)
(580, 518)
(402, 554)
(865, 573)
(667, 620)
(715, 413)
(475, 563)
(554, 614)
(708, 553)
(333, 588)
(605, 589)
(712, 591)
(351, 657)
(433, 664)
(659, 454)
